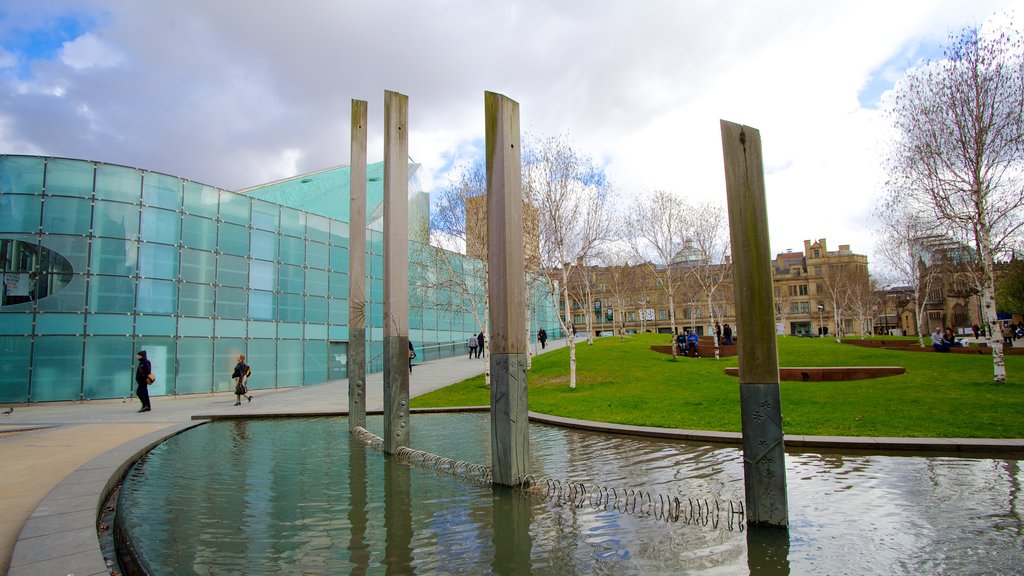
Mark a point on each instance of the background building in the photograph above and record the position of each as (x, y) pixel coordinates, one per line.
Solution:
(100, 261)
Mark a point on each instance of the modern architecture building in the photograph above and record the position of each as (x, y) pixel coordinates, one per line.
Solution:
(100, 261)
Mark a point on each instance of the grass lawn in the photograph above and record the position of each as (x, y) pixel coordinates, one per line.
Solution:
(623, 381)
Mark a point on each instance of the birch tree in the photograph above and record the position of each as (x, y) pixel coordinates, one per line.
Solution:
(709, 235)
(571, 195)
(623, 282)
(958, 150)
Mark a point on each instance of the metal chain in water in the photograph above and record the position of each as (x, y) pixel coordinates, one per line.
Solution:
(642, 503)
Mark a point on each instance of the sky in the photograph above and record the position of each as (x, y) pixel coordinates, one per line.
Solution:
(234, 93)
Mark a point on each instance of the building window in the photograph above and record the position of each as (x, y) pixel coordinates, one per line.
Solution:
(817, 253)
(805, 307)
(662, 314)
(631, 317)
(803, 289)
(794, 307)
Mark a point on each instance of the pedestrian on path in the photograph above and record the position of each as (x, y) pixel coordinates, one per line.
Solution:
(241, 377)
(542, 336)
(412, 355)
(143, 378)
(479, 344)
(472, 345)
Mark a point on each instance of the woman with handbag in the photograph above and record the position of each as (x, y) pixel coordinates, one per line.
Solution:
(241, 376)
(143, 378)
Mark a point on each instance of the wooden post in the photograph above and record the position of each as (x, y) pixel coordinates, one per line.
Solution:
(357, 269)
(510, 441)
(396, 271)
(764, 456)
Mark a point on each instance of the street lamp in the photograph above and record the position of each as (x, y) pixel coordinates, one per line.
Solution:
(821, 333)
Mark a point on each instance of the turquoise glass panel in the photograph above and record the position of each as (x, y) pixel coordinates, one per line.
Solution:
(195, 366)
(290, 330)
(20, 213)
(69, 178)
(67, 293)
(339, 285)
(263, 245)
(375, 243)
(232, 271)
(337, 311)
(109, 367)
(195, 300)
(339, 258)
(316, 310)
(289, 363)
(315, 365)
(415, 318)
(316, 255)
(291, 279)
(315, 332)
(161, 190)
(16, 323)
(198, 232)
(163, 226)
(161, 353)
(234, 207)
(316, 282)
(158, 261)
(110, 256)
(115, 220)
(67, 215)
(339, 233)
(156, 325)
(376, 291)
(21, 175)
(225, 356)
(293, 250)
(262, 275)
(199, 327)
(157, 296)
(73, 251)
(118, 183)
(318, 228)
(234, 239)
(201, 200)
(14, 370)
(110, 324)
(290, 307)
(337, 333)
(293, 222)
(231, 302)
(265, 215)
(60, 324)
(262, 330)
(56, 368)
(263, 360)
(198, 266)
(261, 305)
(229, 329)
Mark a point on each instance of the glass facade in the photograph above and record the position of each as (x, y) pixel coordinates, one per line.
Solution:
(100, 261)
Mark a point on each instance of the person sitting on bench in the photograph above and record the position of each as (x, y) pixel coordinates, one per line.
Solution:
(938, 341)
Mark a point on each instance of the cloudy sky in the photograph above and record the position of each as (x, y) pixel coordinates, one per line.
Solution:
(234, 93)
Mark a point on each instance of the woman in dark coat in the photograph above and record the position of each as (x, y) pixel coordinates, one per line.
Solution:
(142, 373)
(241, 378)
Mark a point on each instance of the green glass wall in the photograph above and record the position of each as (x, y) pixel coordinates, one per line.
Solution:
(100, 261)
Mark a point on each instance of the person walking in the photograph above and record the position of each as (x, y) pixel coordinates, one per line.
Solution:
(241, 377)
(479, 344)
(412, 355)
(727, 334)
(472, 345)
(143, 378)
(542, 336)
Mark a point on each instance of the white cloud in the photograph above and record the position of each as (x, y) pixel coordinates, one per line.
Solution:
(7, 60)
(89, 51)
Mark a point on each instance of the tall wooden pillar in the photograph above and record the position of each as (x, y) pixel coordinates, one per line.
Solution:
(396, 271)
(357, 269)
(506, 285)
(764, 455)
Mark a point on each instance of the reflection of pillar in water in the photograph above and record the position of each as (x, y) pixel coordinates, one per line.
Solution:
(357, 270)
(506, 286)
(396, 271)
(512, 542)
(764, 456)
(397, 517)
(768, 551)
(358, 551)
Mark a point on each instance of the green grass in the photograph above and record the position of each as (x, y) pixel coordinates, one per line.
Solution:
(941, 395)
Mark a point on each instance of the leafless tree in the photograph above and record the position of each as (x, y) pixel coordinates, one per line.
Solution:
(622, 281)
(958, 153)
(572, 200)
(709, 237)
(783, 300)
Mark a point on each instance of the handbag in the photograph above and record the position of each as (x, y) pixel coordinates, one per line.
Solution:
(240, 389)
(150, 378)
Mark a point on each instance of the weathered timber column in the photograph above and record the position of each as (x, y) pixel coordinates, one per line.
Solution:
(357, 269)
(506, 287)
(764, 456)
(396, 271)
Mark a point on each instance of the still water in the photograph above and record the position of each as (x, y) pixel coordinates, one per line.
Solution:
(300, 496)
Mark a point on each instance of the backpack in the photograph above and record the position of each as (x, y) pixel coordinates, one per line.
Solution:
(248, 371)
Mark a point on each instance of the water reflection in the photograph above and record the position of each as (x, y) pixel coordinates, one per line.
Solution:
(300, 496)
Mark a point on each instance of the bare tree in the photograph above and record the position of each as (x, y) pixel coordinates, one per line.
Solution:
(658, 229)
(572, 200)
(783, 300)
(709, 235)
(622, 281)
(959, 149)
(837, 282)
(866, 300)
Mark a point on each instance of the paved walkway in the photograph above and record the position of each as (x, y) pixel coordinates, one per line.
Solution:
(59, 458)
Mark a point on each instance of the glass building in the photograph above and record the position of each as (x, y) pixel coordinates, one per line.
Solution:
(100, 261)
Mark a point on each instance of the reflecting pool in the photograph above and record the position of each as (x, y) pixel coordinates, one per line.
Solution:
(301, 496)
